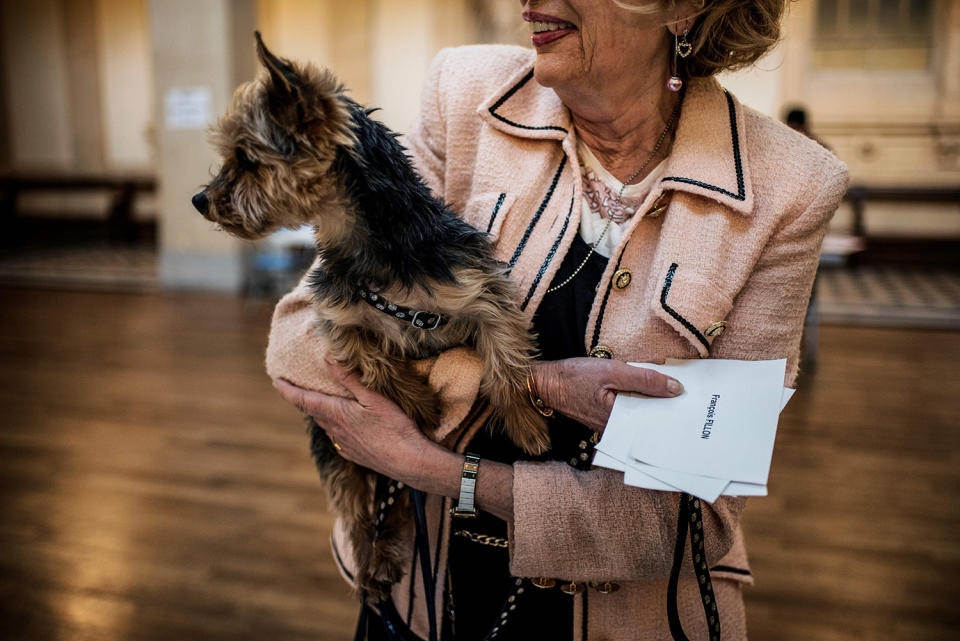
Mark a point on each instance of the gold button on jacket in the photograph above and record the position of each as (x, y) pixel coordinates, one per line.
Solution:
(659, 206)
(622, 278)
(716, 329)
(571, 588)
(604, 587)
(601, 351)
(543, 582)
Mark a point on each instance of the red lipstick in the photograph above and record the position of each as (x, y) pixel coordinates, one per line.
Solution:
(544, 37)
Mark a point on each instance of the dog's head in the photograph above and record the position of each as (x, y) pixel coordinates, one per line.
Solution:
(277, 142)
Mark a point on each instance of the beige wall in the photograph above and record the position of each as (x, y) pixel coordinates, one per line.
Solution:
(403, 46)
(126, 77)
(895, 127)
(78, 84)
(83, 84)
(891, 128)
(380, 49)
(325, 33)
(36, 83)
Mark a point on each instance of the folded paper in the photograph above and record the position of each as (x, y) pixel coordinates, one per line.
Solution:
(715, 439)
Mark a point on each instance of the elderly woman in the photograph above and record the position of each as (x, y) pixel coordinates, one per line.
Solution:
(646, 214)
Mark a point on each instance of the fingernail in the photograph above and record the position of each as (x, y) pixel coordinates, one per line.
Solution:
(674, 386)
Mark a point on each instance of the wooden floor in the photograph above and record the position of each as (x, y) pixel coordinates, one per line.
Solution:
(153, 485)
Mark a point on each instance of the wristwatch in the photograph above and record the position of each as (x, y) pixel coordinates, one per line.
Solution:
(468, 486)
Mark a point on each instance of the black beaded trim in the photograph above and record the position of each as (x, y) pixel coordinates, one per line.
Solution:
(393, 489)
(698, 550)
(496, 210)
(509, 606)
(691, 517)
(536, 216)
(738, 162)
(731, 570)
(417, 318)
(550, 255)
(506, 96)
(585, 453)
(667, 283)
(603, 304)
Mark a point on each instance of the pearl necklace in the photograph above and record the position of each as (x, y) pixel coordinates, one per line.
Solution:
(653, 154)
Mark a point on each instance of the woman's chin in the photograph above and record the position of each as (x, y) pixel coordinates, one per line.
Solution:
(553, 69)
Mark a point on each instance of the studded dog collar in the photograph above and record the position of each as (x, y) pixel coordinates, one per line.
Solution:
(416, 317)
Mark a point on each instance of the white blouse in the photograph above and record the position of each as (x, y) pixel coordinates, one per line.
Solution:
(592, 222)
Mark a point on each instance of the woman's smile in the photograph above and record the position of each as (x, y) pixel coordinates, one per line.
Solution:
(545, 29)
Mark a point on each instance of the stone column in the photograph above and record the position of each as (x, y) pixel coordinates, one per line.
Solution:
(198, 54)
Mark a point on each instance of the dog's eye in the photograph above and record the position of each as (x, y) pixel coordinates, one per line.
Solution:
(245, 162)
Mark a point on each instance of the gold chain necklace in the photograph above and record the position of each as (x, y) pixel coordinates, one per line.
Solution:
(653, 154)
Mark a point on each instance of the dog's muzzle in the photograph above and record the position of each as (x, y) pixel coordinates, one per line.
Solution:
(201, 203)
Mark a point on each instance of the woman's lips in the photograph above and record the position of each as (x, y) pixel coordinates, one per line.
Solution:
(545, 37)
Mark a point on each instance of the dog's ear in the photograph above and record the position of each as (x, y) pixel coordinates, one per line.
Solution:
(284, 88)
(299, 102)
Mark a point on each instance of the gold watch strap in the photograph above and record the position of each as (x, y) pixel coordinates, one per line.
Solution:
(466, 506)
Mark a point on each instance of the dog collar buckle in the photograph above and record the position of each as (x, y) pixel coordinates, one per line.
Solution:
(419, 324)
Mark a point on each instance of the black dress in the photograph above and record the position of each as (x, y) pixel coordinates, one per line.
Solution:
(479, 585)
(482, 601)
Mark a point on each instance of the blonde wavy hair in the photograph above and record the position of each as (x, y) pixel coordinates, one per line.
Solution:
(726, 34)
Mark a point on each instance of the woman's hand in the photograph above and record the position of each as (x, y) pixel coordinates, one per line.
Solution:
(370, 429)
(584, 388)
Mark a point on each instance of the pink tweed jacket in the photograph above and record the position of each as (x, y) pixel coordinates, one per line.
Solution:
(731, 232)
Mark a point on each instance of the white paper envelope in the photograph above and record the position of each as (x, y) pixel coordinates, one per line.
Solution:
(618, 438)
(704, 487)
(722, 426)
(735, 488)
(636, 478)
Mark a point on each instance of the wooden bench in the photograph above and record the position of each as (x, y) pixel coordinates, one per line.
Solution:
(858, 195)
(122, 188)
(845, 249)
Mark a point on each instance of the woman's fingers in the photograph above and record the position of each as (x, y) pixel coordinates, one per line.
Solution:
(642, 380)
(353, 384)
(322, 407)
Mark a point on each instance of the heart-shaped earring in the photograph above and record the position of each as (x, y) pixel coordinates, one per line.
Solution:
(681, 48)
(684, 48)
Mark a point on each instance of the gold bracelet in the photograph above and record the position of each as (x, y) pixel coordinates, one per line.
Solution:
(536, 401)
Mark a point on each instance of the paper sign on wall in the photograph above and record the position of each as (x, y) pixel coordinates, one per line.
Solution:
(187, 108)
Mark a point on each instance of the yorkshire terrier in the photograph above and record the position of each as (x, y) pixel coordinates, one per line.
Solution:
(401, 277)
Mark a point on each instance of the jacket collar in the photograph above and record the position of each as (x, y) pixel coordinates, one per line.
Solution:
(708, 157)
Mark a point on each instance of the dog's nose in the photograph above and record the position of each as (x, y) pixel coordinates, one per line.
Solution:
(200, 202)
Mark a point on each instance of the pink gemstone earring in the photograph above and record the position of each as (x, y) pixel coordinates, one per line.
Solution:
(681, 48)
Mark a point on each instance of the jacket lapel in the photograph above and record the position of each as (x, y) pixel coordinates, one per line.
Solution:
(522, 107)
(709, 155)
(708, 160)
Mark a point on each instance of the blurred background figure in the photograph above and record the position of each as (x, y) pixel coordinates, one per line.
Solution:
(156, 487)
(796, 119)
